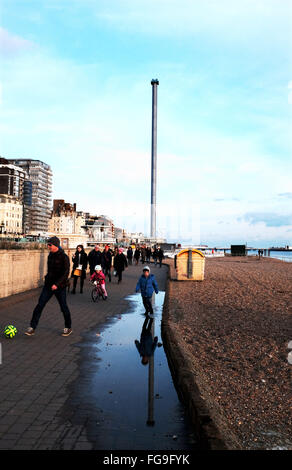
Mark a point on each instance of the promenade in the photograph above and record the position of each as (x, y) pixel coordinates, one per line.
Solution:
(57, 392)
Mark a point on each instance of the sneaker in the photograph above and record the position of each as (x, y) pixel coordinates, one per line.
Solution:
(67, 332)
(29, 331)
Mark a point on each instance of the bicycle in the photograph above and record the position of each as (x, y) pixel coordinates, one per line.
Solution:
(97, 292)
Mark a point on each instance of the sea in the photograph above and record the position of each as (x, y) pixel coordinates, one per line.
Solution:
(282, 255)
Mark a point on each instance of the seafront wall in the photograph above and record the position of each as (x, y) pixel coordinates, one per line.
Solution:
(22, 270)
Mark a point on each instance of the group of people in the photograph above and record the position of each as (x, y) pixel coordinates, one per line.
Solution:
(100, 264)
(144, 254)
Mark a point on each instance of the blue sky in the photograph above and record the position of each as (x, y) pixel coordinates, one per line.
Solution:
(75, 93)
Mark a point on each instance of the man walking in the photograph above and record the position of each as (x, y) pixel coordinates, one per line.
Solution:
(56, 281)
(130, 256)
(106, 262)
(160, 256)
(120, 263)
(94, 258)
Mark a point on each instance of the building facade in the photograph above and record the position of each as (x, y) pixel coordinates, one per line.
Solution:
(65, 219)
(38, 213)
(99, 228)
(12, 179)
(11, 213)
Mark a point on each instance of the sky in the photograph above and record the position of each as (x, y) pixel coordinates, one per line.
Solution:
(75, 92)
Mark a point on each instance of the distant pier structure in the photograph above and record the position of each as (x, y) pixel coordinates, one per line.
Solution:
(154, 83)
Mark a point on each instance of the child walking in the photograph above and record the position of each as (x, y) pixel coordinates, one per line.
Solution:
(99, 277)
(147, 285)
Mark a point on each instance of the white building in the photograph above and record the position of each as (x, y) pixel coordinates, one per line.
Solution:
(11, 213)
(40, 175)
(67, 224)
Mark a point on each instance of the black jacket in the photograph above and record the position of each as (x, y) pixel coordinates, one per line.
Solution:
(58, 269)
(83, 261)
(94, 258)
(120, 262)
(137, 254)
(106, 259)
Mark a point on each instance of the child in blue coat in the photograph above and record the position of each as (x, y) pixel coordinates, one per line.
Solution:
(147, 285)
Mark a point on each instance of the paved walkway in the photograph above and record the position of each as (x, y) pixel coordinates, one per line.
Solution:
(36, 372)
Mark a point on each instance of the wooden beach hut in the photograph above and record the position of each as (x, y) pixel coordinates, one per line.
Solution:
(190, 265)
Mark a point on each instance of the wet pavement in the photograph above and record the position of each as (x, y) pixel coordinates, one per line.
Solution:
(90, 390)
(129, 405)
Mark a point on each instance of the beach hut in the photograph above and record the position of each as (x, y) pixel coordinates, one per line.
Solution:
(190, 265)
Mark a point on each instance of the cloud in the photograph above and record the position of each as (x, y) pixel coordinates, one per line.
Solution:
(11, 44)
(269, 219)
(241, 22)
(285, 195)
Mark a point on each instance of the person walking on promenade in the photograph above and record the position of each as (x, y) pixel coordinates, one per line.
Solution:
(56, 281)
(94, 258)
(155, 255)
(137, 254)
(143, 254)
(120, 263)
(147, 344)
(160, 255)
(147, 284)
(130, 256)
(148, 254)
(80, 262)
(106, 262)
(99, 277)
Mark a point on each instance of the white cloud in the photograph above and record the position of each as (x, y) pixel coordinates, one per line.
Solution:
(227, 20)
(11, 44)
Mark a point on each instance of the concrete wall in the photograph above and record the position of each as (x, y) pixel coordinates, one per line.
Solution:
(21, 270)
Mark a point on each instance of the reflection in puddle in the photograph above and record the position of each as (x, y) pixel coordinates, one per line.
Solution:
(128, 386)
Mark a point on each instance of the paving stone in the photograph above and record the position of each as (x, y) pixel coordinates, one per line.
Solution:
(36, 372)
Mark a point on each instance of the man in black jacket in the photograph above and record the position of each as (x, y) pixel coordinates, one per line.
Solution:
(120, 263)
(56, 281)
(94, 258)
(106, 262)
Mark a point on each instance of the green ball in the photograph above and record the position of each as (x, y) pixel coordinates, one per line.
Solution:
(10, 331)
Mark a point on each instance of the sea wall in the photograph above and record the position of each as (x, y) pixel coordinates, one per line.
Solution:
(22, 270)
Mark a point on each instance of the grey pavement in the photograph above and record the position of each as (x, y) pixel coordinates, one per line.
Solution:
(37, 373)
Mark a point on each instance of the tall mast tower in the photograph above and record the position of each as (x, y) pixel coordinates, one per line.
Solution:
(154, 83)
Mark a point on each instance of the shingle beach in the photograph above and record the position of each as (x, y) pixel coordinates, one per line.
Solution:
(234, 328)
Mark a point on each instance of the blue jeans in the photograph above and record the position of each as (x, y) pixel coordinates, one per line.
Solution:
(46, 294)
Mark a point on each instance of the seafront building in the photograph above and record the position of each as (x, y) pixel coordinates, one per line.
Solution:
(14, 186)
(38, 193)
(67, 224)
(65, 218)
(99, 229)
(12, 179)
(11, 216)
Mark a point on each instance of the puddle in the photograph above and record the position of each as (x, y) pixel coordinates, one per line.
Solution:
(124, 403)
